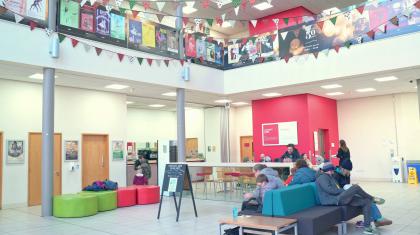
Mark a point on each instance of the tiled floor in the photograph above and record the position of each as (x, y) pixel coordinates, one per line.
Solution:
(402, 206)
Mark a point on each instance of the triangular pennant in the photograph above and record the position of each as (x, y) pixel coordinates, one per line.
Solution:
(117, 2)
(160, 5)
(87, 47)
(360, 39)
(296, 58)
(134, 13)
(236, 10)
(296, 32)
(209, 39)
(316, 54)
(260, 59)
(395, 21)
(131, 58)
(326, 52)
(276, 22)
(286, 21)
(120, 56)
(122, 10)
(92, 2)
(244, 23)
(205, 4)
(83, 2)
(236, 3)
(269, 2)
(181, 62)
(273, 37)
(244, 40)
(337, 48)
(320, 24)
(140, 60)
(108, 8)
(243, 4)
(149, 61)
(158, 62)
(223, 17)
(74, 42)
(185, 21)
(252, 2)
(32, 25)
(18, 18)
(98, 51)
(166, 62)
(48, 32)
(219, 21)
(333, 20)
(219, 4)
(371, 34)
(347, 44)
(210, 22)
(61, 37)
(160, 17)
(382, 28)
(254, 23)
(417, 4)
(132, 3)
(286, 58)
(110, 54)
(146, 5)
(361, 9)
(284, 35)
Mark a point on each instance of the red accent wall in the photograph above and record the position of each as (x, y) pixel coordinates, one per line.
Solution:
(266, 24)
(309, 111)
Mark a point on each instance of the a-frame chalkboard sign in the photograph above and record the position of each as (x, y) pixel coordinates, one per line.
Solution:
(173, 182)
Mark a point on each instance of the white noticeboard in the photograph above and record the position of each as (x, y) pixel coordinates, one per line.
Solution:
(172, 185)
(316, 140)
(288, 133)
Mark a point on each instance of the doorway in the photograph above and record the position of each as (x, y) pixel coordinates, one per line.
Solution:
(247, 148)
(1, 167)
(323, 143)
(191, 148)
(95, 158)
(35, 167)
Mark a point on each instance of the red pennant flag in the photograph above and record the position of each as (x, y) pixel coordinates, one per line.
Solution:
(32, 25)
(361, 9)
(166, 62)
(244, 40)
(337, 48)
(146, 5)
(273, 37)
(296, 32)
(417, 4)
(243, 4)
(205, 4)
(105, 2)
(251, 2)
(185, 20)
(74, 42)
(98, 51)
(182, 62)
(134, 13)
(320, 24)
(316, 54)
(260, 59)
(371, 34)
(286, 58)
(120, 56)
(201, 59)
(219, 21)
(150, 61)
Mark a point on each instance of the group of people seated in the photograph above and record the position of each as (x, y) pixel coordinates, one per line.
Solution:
(333, 186)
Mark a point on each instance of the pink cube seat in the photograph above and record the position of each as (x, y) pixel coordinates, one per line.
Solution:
(126, 197)
(148, 194)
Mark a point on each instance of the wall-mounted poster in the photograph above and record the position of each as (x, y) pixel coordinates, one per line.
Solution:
(233, 53)
(201, 48)
(117, 26)
(190, 45)
(15, 152)
(131, 150)
(134, 33)
(148, 33)
(17, 6)
(117, 150)
(288, 133)
(71, 150)
(270, 134)
(211, 52)
(87, 19)
(269, 44)
(172, 41)
(161, 39)
(69, 13)
(102, 22)
(38, 9)
(218, 53)
(249, 49)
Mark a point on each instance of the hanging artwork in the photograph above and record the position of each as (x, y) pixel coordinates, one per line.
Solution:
(87, 19)
(172, 41)
(233, 53)
(134, 33)
(161, 39)
(117, 150)
(69, 13)
(71, 150)
(117, 26)
(37, 9)
(148, 35)
(102, 22)
(15, 152)
(211, 52)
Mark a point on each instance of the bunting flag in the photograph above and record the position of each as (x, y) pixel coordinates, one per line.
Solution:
(269, 2)
(87, 47)
(146, 5)
(361, 9)
(333, 20)
(382, 28)
(32, 25)
(360, 39)
(337, 48)
(122, 11)
(326, 52)
(254, 22)
(18, 18)
(92, 2)
(223, 17)
(83, 2)
(244, 4)
(284, 35)
(276, 22)
(286, 58)
(158, 62)
(260, 59)
(210, 22)
(320, 24)
(185, 20)
(149, 61)
(181, 62)
(395, 21)
(251, 2)
(120, 57)
(201, 59)
(316, 54)
(244, 40)
(236, 3)
(132, 3)
(166, 62)
(306, 19)
(286, 20)
(108, 8)
(305, 56)
(219, 4)
(371, 34)
(296, 32)
(61, 37)
(74, 42)
(131, 58)
(417, 4)
(160, 5)
(219, 21)
(236, 10)
(134, 13)
(49, 32)
(140, 60)
(160, 17)
(205, 4)
(347, 44)
(273, 37)
(117, 2)
(110, 54)
(98, 51)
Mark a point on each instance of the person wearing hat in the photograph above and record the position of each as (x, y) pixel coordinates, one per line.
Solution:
(342, 176)
(330, 193)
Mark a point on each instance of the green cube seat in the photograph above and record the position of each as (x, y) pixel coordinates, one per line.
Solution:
(74, 206)
(107, 200)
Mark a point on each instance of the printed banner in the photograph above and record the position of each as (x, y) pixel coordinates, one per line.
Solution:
(173, 45)
(37, 9)
(117, 26)
(211, 52)
(190, 44)
(148, 35)
(270, 134)
(69, 13)
(103, 22)
(134, 33)
(201, 48)
(87, 19)
(161, 39)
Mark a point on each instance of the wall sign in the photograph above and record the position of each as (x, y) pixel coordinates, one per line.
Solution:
(270, 134)
(282, 133)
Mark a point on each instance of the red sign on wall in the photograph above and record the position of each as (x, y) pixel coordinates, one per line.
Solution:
(270, 134)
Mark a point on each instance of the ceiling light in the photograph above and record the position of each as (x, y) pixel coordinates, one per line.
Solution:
(223, 101)
(188, 10)
(157, 105)
(116, 86)
(271, 94)
(415, 87)
(129, 102)
(335, 93)
(226, 24)
(331, 86)
(263, 6)
(222, 2)
(172, 93)
(386, 79)
(39, 76)
(239, 103)
(366, 89)
(330, 11)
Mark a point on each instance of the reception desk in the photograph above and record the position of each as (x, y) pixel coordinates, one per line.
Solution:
(240, 164)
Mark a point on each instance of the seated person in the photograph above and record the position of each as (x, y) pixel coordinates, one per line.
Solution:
(274, 180)
(330, 193)
(303, 174)
(305, 157)
(291, 155)
(255, 204)
(342, 176)
(290, 177)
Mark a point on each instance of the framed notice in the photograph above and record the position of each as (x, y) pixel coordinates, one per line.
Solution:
(288, 133)
(87, 19)
(71, 150)
(270, 134)
(15, 152)
(117, 150)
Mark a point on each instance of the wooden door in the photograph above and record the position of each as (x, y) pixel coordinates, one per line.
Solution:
(35, 167)
(247, 148)
(95, 158)
(191, 147)
(1, 167)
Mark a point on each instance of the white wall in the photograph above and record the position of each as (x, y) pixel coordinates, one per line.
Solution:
(240, 125)
(212, 134)
(77, 111)
(373, 126)
(194, 127)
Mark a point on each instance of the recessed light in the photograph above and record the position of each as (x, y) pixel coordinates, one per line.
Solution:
(331, 86)
(386, 79)
(157, 105)
(415, 87)
(129, 102)
(271, 94)
(188, 10)
(239, 103)
(263, 6)
(226, 24)
(116, 86)
(366, 89)
(172, 93)
(335, 93)
(39, 76)
(223, 101)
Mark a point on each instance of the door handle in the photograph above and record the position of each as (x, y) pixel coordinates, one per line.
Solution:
(103, 161)
(57, 173)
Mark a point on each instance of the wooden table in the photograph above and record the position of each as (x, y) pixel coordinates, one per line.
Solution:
(259, 224)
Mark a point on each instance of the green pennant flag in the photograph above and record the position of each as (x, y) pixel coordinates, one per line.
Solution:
(140, 60)
(236, 3)
(210, 22)
(333, 20)
(253, 39)
(347, 44)
(122, 11)
(286, 20)
(132, 3)
(61, 37)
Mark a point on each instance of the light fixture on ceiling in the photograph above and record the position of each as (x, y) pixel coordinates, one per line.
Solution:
(330, 11)
(239, 103)
(335, 93)
(263, 6)
(222, 2)
(331, 86)
(157, 105)
(188, 10)
(223, 101)
(129, 102)
(271, 94)
(172, 93)
(361, 90)
(226, 24)
(39, 76)
(415, 87)
(116, 86)
(386, 79)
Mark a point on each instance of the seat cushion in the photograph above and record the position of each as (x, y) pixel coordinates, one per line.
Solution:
(107, 200)
(126, 197)
(74, 206)
(148, 195)
(292, 199)
(350, 212)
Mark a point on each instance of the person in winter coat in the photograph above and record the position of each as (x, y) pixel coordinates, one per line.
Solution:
(291, 155)
(274, 180)
(141, 165)
(343, 151)
(303, 174)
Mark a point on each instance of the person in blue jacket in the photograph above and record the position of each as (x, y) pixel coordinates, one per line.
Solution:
(303, 174)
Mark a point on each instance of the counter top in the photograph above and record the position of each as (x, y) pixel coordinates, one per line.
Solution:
(150, 162)
(239, 164)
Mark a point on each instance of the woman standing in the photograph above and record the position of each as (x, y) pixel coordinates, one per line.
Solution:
(343, 151)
